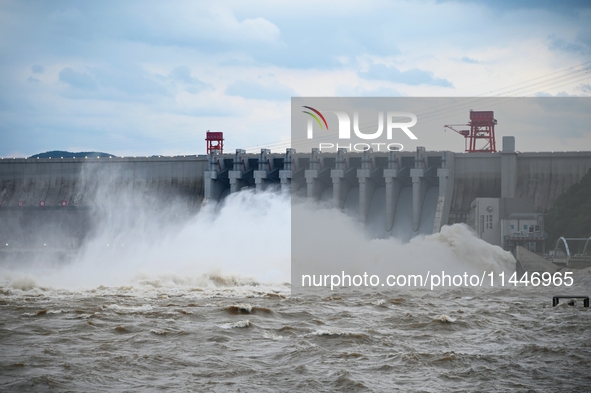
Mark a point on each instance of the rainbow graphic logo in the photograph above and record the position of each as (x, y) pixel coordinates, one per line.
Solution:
(316, 112)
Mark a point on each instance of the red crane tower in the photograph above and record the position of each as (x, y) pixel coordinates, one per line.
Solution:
(482, 127)
(215, 142)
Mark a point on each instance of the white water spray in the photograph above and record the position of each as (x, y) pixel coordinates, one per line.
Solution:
(159, 240)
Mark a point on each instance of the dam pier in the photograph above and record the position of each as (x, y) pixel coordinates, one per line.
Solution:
(398, 193)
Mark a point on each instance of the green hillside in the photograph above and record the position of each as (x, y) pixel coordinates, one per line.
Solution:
(571, 214)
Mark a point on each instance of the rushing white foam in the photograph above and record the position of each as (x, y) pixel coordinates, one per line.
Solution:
(243, 242)
(22, 282)
(327, 241)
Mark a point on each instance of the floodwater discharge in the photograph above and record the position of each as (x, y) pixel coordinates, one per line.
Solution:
(160, 299)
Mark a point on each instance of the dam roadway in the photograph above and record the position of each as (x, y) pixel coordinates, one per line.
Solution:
(396, 194)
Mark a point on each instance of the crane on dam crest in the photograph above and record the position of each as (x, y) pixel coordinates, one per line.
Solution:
(480, 138)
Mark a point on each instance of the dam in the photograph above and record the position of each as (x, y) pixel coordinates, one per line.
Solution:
(398, 193)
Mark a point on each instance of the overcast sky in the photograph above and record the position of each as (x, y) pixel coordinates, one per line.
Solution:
(150, 77)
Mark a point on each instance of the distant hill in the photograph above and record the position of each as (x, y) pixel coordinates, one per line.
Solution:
(67, 154)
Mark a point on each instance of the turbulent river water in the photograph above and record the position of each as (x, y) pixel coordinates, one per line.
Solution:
(257, 338)
(153, 316)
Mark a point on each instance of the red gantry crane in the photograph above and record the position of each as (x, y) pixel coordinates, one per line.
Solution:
(215, 142)
(482, 127)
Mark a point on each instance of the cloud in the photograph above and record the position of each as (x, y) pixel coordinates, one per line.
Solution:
(469, 60)
(131, 81)
(207, 111)
(569, 6)
(579, 45)
(363, 91)
(183, 74)
(113, 83)
(138, 60)
(213, 28)
(78, 80)
(240, 61)
(259, 91)
(565, 94)
(559, 94)
(413, 76)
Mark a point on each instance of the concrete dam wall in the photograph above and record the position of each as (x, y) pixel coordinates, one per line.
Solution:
(53, 181)
(50, 202)
(397, 194)
(541, 177)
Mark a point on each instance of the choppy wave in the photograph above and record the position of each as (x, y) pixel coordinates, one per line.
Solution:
(444, 319)
(488, 338)
(240, 324)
